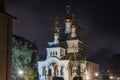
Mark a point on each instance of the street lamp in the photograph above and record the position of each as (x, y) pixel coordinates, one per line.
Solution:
(96, 74)
(20, 73)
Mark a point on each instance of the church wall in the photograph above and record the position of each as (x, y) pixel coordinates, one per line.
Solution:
(54, 51)
(47, 63)
(91, 70)
(72, 46)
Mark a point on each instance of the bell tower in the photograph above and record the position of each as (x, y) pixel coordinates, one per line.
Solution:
(6, 21)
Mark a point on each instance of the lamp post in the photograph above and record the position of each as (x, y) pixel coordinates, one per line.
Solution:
(20, 73)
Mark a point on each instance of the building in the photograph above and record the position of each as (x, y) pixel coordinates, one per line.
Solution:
(66, 55)
(6, 21)
(92, 70)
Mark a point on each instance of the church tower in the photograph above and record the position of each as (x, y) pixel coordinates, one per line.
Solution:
(6, 21)
(65, 50)
(66, 54)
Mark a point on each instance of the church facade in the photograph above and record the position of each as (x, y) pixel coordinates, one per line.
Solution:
(66, 55)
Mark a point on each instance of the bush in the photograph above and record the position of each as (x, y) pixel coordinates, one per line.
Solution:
(105, 77)
(58, 78)
(77, 78)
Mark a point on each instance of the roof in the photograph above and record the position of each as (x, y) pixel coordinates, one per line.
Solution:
(6, 14)
(25, 41)
(3, 10)
(91, 62)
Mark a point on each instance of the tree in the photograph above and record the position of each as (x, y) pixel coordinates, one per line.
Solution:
(70, 66)
(114, 64)
(105, 77)
(21, 57)
(30, 75)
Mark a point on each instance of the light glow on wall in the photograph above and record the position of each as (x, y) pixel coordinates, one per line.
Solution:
(87, 75)
(96, 74)
(111, 77)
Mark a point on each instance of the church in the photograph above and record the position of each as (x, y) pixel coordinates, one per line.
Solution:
(66, 55)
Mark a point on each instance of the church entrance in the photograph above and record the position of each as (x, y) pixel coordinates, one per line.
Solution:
(56, 71)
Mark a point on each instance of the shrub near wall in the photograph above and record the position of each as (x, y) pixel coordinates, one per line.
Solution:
(58, 78)
(77, 78)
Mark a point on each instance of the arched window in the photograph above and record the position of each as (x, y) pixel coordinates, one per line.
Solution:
(62, 70)
(49, 72)
(56, 52)
(50, 53)
(53, 54)
(43, 71)
(56, 71)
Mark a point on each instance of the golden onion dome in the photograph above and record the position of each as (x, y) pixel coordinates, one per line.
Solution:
(68, 20)
(73, 26)
(56, 33)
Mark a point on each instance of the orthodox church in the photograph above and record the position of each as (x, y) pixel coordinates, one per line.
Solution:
(66, 55)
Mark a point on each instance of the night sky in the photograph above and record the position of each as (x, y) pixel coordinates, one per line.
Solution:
(100, 22)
